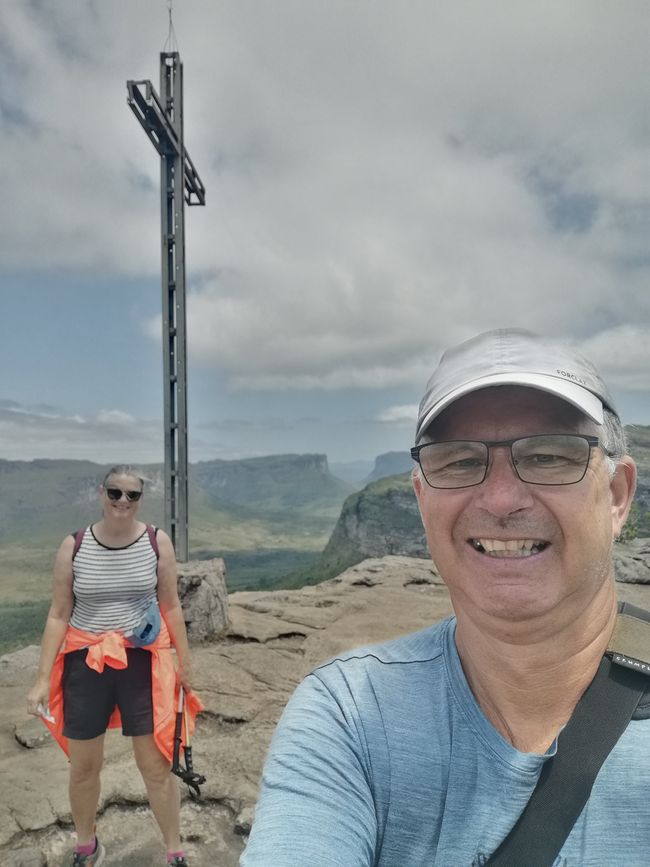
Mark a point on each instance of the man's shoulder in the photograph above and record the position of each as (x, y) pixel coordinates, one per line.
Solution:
(423, 646)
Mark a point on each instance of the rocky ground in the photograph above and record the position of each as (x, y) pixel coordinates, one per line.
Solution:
(244, 680)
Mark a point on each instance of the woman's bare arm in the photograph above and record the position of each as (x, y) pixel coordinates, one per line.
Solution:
(170, 606)
(55, 625)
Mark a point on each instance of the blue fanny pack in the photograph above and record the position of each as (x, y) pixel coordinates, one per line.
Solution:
(146, 631)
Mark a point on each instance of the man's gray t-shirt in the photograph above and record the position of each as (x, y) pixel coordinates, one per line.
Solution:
(383, 758)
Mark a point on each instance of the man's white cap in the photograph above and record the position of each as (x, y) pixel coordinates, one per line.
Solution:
(512, 356)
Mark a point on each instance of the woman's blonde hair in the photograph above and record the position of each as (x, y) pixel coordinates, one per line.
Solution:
(124, 470)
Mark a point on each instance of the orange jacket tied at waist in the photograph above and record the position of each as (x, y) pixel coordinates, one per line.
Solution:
(109, 648)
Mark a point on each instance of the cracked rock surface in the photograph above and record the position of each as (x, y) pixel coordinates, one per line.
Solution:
(244, 680)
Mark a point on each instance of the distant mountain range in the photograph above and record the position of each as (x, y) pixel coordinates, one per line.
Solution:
(267, 517)
(390, 464)
(51, 497)
(361, 473)
(270, 517)
(272, 483)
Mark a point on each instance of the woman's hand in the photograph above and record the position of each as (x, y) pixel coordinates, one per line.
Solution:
(184, 675)
(39, 694)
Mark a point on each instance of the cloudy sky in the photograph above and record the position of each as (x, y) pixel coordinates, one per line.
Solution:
(383, 178)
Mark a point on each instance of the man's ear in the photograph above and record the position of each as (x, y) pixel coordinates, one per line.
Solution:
(622, 486)
(418, 486)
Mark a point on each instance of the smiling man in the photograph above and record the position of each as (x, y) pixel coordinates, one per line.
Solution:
(427, 750)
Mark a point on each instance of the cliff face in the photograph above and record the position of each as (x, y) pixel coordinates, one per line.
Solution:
(381, 519)
(390, 464)
(276, 481)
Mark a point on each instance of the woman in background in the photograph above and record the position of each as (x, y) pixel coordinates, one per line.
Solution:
(103, 658)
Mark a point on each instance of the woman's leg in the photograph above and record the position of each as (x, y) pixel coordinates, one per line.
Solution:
(162, 789)
(86, 759)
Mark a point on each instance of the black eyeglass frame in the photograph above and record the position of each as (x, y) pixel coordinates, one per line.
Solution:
(592, 441)
(131, 496)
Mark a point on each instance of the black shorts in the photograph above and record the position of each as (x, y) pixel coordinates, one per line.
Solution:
(89, 698)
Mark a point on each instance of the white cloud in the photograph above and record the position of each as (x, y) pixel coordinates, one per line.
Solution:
(622, 355)
(381, 181)
(112, 437)
(402, 415)
(115, 417)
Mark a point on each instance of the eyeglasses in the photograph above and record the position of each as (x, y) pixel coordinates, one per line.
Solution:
(115, 494)
(547, 459)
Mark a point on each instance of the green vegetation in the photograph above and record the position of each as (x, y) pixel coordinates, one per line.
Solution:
(22, 623)
(639, 521)
(269, 569)
(26, 573)
(637, 524)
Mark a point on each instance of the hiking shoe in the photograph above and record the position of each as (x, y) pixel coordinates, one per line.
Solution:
(94, 860)
(179, 861)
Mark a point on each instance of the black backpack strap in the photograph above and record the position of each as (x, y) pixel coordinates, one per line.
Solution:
(619, 692)
(152, 532)
(78, 539)
(630, 647)
(600, 718)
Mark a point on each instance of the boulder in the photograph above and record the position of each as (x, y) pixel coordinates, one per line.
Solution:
(204, 598)
(632, 561)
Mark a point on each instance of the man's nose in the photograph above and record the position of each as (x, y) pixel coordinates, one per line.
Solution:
(503, 492)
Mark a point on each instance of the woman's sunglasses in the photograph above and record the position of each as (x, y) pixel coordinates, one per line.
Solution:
(116, 494)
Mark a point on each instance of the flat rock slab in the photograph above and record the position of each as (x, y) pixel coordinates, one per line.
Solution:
(632, 562)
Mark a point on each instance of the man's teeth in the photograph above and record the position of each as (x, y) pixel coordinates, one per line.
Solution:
(508, 547)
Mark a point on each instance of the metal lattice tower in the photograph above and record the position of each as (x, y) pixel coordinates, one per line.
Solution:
(161, 117)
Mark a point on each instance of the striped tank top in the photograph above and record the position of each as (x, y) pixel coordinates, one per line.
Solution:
(112, 587)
